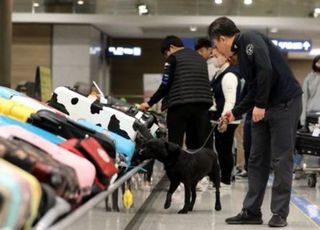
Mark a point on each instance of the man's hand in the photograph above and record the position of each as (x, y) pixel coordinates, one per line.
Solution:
(228, 116)
(144, 106)
(258, 114)
(223, 125)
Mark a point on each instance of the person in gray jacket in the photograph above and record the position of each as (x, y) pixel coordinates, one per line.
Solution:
(311, 91)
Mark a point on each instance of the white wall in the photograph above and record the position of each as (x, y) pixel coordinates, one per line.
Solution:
(72, 60)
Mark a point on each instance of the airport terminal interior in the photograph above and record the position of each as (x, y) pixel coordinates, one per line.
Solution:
(81, 83)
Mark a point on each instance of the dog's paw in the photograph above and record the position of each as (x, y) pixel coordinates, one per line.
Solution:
(167, 204)
(183, 211)
(217, 207)
(108, 209)
(190, 209)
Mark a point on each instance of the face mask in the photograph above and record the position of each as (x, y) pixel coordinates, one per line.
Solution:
(317, 67)
(219, 61)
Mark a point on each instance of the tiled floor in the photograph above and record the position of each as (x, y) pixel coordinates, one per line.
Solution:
(203, 216)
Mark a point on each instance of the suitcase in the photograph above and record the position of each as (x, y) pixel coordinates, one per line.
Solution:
(85, 170)
(307, 144)
(92, 150)
(312, 119)
(67, 128)
(145, 118)
(7, 93)
(12, 196)
(13, 95)
(60, 177)
(15, 109)
(123, 146)
(4, 120)
(81, 107)
(34, 195)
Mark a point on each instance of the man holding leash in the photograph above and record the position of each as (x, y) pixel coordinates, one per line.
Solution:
(275, 97)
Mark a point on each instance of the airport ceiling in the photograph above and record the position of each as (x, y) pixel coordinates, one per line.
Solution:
(178, 11)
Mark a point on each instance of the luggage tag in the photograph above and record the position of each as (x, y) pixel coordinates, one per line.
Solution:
(316, 131)
(127, 198)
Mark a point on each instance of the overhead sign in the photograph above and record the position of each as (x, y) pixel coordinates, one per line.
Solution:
(293, 45)
(124, 51)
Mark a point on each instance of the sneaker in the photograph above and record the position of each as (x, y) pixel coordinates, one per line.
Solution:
(245, 217)
(277, 221)
(243, 174)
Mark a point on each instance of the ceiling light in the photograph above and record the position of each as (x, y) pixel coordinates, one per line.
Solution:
(36, 4)
(314, 52)
(80, 2)
(193, 28)
(247, 2)
(316, 12)
(218, 2)
(143, 9)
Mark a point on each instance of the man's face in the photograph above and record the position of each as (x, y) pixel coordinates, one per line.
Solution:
(223, 45)
(205, 52)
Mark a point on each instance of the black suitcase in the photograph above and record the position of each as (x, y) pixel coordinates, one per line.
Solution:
(67, 128)
(306, 144)
(312, 118)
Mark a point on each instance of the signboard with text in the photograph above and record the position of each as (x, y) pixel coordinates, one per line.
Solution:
(293, 45)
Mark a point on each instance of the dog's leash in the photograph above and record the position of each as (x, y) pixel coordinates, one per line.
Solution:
(214, 125)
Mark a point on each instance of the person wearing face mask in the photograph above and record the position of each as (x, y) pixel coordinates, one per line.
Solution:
(311, 91)
(226, 89)
(203, 47)
(274, 95)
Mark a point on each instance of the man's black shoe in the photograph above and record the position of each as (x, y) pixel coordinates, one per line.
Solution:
(245, 217)
(277, 221)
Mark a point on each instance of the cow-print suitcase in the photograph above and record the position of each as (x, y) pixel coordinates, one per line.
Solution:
(78, 107)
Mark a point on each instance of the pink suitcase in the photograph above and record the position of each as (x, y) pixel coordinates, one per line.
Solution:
(85, 170)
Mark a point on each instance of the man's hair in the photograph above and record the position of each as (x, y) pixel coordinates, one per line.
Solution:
(222, 26)
(315, 60)
(170, 40)
(202, 42)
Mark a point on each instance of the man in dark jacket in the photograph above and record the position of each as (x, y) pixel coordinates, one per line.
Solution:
(186, 94)
(275, 97)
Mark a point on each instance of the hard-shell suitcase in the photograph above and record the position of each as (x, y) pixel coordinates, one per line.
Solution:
(67, 128)
(60, 177)
(13, 95)
(85, 170)
(7, 93)
(34, 188)
(15, 109)
(92, 150)
(4, 120)
(145, 118)
(81, 107)
(123, 146)
(12, 199)
(307, 144)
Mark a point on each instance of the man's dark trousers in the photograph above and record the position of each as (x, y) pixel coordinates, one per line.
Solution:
(273, 141)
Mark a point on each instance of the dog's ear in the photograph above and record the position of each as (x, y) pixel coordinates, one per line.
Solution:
(171, 147)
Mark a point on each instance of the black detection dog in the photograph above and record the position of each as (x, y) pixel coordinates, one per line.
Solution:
(186, 168)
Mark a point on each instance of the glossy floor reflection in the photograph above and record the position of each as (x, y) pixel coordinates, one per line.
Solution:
(203, 217)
